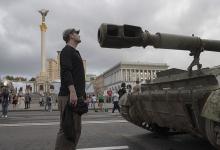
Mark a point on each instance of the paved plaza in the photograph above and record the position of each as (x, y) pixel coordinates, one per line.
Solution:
(36, 130)
(36, 107)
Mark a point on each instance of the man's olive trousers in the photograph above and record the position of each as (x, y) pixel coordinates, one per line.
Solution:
(62, 143)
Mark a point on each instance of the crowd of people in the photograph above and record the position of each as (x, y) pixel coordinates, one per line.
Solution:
(97, 102)
(46, 100)
(16, 99)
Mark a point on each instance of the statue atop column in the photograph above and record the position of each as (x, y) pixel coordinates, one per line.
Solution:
(43, 12)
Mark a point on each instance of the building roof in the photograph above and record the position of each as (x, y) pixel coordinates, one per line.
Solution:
(135, 63)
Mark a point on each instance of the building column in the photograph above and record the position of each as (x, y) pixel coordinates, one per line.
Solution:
(151, 74)
(116, 76)
(130, 76)
(139, 74)
(155, 73)
(135, 74)
(125, 75)
(121, 75)
(113, 74)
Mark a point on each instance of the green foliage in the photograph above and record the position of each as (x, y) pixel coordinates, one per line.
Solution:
(32, 79)
(12, 78)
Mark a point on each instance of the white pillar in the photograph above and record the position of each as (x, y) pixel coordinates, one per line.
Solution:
(135, 74)
(147, 75)
(130, 75)
(116, 76)
(121, 74)
(43, 53)
(139, 74)
(125, 74)
(151, 74)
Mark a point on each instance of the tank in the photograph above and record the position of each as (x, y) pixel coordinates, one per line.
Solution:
(177, 101)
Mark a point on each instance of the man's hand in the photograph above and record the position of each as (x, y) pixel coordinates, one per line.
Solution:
(73, 96)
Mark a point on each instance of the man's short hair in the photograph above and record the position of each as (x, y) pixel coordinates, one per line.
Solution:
(67, 32)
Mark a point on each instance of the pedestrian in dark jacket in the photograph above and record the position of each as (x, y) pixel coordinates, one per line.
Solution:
(26, 100)
(122, 90)
(5, 102)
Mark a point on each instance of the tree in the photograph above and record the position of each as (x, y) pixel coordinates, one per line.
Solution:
(12, 78)
(32, 79)
(9, 77)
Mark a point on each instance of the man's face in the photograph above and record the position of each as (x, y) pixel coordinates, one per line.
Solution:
(76, 37)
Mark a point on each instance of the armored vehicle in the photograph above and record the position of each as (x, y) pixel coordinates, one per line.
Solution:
(185, 101)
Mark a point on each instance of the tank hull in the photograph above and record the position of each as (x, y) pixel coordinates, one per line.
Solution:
(177, 104)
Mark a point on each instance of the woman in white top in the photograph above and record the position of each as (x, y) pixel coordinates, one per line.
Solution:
(94, 102)
(115, 102)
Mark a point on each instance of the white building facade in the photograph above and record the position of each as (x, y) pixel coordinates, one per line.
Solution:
(130, 72)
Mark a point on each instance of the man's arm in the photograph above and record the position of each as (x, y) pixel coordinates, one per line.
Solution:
(73, 96)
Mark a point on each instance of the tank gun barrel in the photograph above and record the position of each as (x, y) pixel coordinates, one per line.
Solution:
(126, 36)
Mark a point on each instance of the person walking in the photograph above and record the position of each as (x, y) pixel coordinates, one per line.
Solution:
(137, 88)
(49, 102)
(101, 101)
(94, 99)
(115, 100)
(88, 100)
(26, 100)
(72, 87)
(29, 101)
(15, 101)
(46, 107)
(5, 102)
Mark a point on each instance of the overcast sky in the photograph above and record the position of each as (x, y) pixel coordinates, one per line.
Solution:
(20, 32)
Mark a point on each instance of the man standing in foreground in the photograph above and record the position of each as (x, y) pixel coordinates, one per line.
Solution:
(72, 86)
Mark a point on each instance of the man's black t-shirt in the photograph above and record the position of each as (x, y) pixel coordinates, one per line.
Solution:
(71, 71)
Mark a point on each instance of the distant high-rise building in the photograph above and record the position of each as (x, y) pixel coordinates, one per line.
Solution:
(90, 77)
(52, 69)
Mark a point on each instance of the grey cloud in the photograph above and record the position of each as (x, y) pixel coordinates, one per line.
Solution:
(20, 43)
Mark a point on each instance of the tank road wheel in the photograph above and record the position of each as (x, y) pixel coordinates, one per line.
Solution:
(212, 132)
(159, 130)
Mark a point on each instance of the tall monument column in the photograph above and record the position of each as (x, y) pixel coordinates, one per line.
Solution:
(42, 81)
(43, 28)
